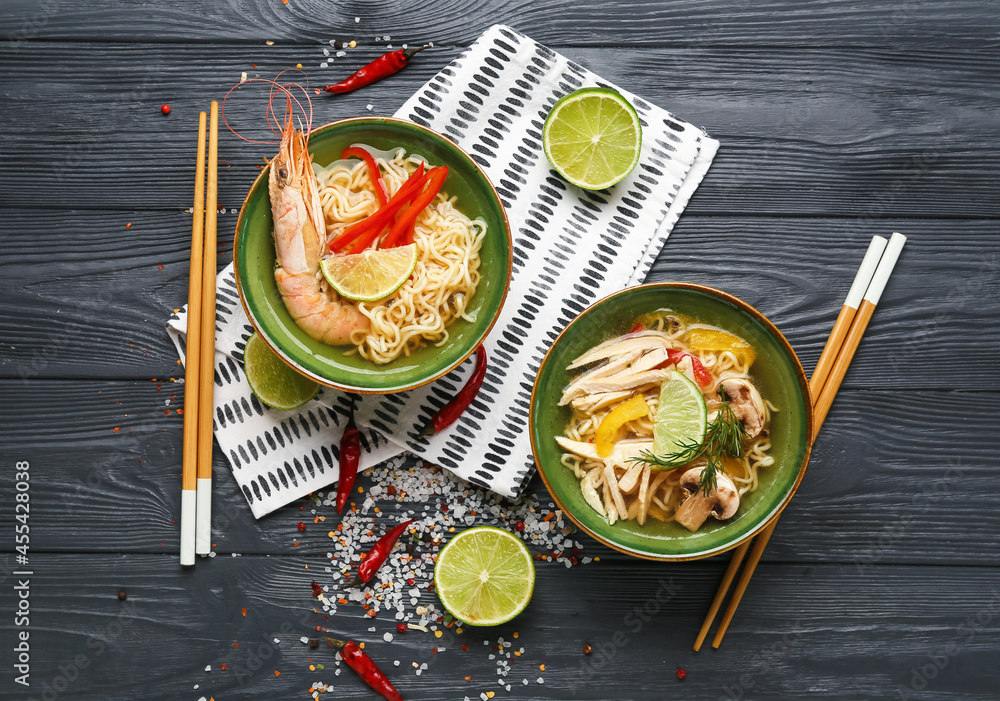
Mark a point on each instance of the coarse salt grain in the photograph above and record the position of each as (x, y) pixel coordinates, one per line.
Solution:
(387, 637)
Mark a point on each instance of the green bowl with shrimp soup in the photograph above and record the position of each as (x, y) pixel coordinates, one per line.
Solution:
(745, 354)
(255, 259)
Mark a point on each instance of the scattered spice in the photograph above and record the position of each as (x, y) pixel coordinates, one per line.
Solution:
(519, 526)
(122, 595)
(587, 649)
(402, 628)
(317, 590)
(360, 662)
(301, 526)
(313, 643)
(165, 109)
(681, 674)
(381, 67)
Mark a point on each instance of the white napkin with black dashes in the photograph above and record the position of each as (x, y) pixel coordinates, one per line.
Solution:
(571, 248)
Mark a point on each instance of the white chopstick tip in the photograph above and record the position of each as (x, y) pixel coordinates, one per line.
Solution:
(865, 273)
(203, 533)
(188, 527)
(884, 269)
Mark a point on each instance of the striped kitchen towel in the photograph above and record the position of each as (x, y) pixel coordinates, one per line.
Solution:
(571, 247)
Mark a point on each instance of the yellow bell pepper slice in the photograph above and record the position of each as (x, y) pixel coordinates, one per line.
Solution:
(607, 432)
(701, 338)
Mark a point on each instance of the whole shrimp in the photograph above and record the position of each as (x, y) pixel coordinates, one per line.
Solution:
(299, 239)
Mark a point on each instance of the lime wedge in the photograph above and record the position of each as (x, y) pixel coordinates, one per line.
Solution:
(681, 416)
(592, 137)
(484, 576)
(370, 275)
(272, 381)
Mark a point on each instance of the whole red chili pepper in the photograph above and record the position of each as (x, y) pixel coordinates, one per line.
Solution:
(358, 660)
(350, 456)
(381, 67)
(378, 554)
(450, 412)
(373, 172)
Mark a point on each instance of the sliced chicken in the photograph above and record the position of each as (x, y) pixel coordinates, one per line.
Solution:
(642, 340)
(611, 368)
(621, 453)
(592, 403)
(624, 381)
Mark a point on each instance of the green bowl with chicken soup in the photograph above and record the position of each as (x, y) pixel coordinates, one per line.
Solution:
(776, 373)
(254, 258)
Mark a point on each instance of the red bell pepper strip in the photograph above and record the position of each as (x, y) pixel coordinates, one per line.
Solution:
(378, 554)
(358, 660)
(637, 328)
(380, 219)
(374, 173)
(450, 412)
(350, 456)
(701, 375)
(435, 180)
(381, 67)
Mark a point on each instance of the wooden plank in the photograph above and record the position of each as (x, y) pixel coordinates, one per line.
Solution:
(802, 631)
(829, 132)
(97, 307)
(644, 22)
(884, 485)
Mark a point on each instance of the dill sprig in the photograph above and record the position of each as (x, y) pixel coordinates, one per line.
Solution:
(723, 438)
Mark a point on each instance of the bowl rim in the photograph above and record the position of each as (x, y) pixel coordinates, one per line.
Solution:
(803, 385)
(326, 382)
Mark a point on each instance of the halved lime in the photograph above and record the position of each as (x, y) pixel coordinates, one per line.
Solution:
(370, 275)
(592, 137)
(272, 381)
(681, 417)
(484, 576)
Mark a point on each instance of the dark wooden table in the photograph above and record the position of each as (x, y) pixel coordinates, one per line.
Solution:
(838, 120)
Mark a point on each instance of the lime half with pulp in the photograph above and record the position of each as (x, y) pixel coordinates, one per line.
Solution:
(272, 381)
(370, 275)
(592, 137)
(681, 417)
(484, 576)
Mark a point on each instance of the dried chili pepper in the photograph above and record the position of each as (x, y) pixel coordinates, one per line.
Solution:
(373, 172)
(450, 412)
(381, 67)
(350, 456)
(378, 554)
(358, 660)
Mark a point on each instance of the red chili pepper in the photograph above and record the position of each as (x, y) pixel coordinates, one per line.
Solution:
(317, 589)
(350, 456)
(381, 67)
(638, 327)
(449, 413)
(378, 554)
(701, 375)
(368, 229)
(435, 179)
(376, 175)
(358, 660)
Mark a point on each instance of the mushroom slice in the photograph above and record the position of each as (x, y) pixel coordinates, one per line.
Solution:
(612, 367)
(620, 454)
(746, 402)
(641, 340)
(722, 502)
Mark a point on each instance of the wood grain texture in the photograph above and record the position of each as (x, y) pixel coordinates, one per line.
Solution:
(882, 486)
(634, 23)
(862, 134)
(804, 631)
(99, 307)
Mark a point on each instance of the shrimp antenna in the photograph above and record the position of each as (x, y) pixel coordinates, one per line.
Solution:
(293, 106)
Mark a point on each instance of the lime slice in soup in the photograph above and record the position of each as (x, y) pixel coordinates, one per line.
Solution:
(484, 576)
(370, 275)
(592, 137)
(681, 417)
(272, 381)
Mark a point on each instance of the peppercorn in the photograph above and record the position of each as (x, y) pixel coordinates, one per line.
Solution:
(681, 674)
(519, 526)
(587, 649)
(314, 643)
(402, 628)
(165, 109)
(122, 595)
(301, 526)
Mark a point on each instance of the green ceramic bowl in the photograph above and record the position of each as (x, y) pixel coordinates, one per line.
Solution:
(777, 373)
(253, 254)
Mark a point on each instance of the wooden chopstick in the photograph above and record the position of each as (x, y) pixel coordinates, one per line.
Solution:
(192, 364)
(206, 383)
(869, 282)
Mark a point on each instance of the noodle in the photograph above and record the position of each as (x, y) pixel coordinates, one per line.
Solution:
(447, 270)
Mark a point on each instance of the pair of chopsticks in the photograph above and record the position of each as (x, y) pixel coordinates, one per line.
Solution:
(837, 354)
(199, 371)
